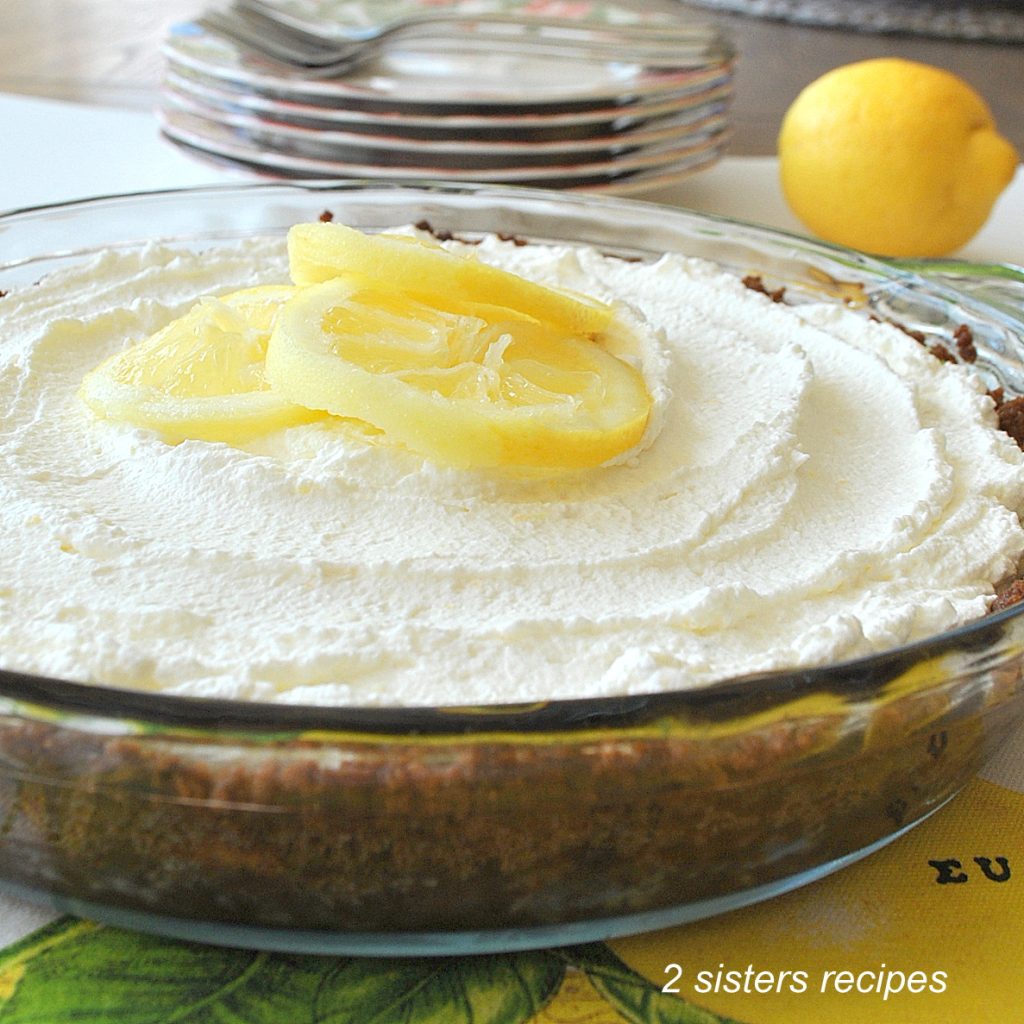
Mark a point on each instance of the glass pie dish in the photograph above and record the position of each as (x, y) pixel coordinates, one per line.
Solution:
(471, 829)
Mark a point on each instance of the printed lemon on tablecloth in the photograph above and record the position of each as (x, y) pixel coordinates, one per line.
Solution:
(928, 929)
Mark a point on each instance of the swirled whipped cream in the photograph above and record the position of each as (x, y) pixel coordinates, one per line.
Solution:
(814, 487)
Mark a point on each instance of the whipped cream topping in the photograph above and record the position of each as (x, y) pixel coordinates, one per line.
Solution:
(813, 487)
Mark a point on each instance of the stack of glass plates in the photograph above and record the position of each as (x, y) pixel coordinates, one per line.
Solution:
(596, 121)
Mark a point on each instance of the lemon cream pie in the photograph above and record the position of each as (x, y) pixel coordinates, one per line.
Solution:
(378, 471)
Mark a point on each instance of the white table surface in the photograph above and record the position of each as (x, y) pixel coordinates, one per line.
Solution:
(54, 151)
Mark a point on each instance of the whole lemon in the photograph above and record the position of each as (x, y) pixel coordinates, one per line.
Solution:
(894, 157)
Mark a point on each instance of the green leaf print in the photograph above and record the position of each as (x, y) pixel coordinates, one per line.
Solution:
(638, 1000)
(83, 972)
(506, 989)
(78, 971)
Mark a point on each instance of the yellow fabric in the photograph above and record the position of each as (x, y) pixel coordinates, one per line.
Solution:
(889, 909)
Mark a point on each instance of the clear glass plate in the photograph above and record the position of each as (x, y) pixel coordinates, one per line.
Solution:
(446, 79)
(279, 131)
(639, 168)
(433, 829)
(521, 126)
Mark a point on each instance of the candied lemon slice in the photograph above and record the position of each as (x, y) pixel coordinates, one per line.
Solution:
(463, 390)
(202, 375)
(317, 252)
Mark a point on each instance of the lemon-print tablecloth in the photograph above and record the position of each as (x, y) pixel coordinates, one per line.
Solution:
(929, 929)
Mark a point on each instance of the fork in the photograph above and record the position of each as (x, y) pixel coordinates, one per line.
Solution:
(261, 28)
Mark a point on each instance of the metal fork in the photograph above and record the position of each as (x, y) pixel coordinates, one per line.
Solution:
(261, 28)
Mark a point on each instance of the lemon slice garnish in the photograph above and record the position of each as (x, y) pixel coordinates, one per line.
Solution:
(202, 375)
(424, 269)
(484, 387)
